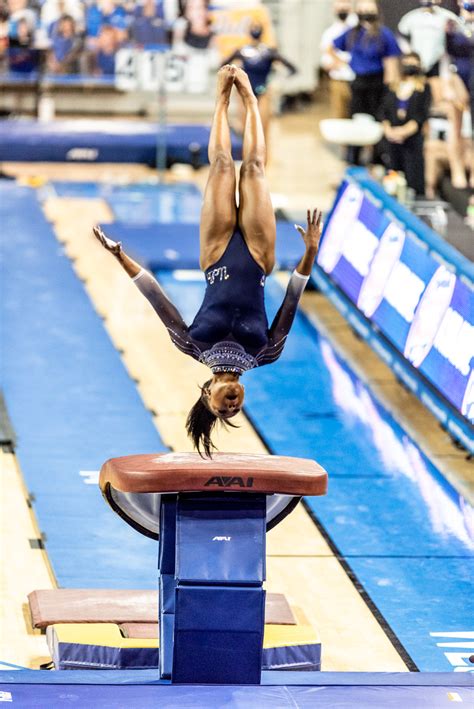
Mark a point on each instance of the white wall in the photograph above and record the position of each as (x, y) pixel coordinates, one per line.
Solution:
(299, 26)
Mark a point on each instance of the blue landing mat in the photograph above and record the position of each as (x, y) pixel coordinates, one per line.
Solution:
(87, 140)
(270, 678)
(71, 403)
(392, 516)
(287, 690)
(426, 602)
(176, 246)
(140, 203)
(83, 80)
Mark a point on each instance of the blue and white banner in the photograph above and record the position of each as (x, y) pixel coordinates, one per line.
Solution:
(421, 303)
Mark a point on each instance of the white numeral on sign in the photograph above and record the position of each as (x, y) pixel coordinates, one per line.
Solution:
(150, 71)
(175, 73)
(126, 70)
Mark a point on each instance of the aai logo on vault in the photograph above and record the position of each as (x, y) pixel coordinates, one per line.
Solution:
(222, 481)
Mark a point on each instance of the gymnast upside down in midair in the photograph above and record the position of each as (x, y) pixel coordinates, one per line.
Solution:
(230, 333)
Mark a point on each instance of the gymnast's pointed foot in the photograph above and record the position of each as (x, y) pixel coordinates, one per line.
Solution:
(242, 83)
(225, 81)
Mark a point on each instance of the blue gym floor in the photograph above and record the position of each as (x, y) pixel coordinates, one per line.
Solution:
(399, 528)
(279, 690)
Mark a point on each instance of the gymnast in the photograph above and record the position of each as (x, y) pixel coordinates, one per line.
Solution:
(257, 60)
(230, 333)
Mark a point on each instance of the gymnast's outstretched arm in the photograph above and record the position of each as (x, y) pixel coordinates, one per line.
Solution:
(286, 314)
(151, 289)
(277, 57)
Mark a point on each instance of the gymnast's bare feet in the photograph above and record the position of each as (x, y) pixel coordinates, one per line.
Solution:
(243, 86)
(225, 81)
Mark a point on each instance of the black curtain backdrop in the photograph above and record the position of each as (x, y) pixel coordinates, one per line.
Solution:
(393, 10)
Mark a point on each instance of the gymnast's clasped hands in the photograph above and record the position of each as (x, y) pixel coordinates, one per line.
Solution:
(230, 333)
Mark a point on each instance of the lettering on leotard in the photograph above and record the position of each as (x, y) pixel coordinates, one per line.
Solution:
(217, 274)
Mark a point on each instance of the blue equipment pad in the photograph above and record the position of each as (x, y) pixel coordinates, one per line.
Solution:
(221, 539)
(176, 245)
(218, 635)
(88, 140)
(103, 646)
(167, 581)
(219, 612)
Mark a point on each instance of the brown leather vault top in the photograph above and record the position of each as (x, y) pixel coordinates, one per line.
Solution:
(225, 472)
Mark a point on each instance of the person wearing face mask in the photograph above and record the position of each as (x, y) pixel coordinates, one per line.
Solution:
(424, 28)
(460, 46)
(340, 75)
(404, 112)
(374, 60)
(257, 60)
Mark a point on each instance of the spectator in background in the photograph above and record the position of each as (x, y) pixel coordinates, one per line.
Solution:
(424, 28)
(257, 60)
(3, 38)
(149, 25)
(405, 111)
(106, 13)
(460, 46)
(20, 12)
(66, 47)
(340, 74)
(22, 57)
(374, 60)
(52, 10)
(193, 27)
(452, 100)
(108, 43)
(438, 162)
(194, 40)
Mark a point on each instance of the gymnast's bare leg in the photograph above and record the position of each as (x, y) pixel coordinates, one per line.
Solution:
(219, 210)
(256, 216)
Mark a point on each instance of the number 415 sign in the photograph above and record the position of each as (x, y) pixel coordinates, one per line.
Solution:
(139, 70)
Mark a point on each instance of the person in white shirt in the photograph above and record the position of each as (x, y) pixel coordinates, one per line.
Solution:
(340, 74)
(52, 10)
(425, 30)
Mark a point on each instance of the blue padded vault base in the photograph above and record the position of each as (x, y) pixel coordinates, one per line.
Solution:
(89, 140)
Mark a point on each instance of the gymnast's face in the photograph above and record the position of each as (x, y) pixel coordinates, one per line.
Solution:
(225, 396)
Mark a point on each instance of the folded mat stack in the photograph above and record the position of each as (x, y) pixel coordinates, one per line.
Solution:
(104, 629)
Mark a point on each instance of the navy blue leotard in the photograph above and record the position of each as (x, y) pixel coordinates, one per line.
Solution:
(257, 62)
(230, 332)
(233, 307)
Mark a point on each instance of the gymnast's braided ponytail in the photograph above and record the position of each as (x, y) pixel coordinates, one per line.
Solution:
(201, 422)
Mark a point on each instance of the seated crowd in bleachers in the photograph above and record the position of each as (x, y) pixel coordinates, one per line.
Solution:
(80, 36)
